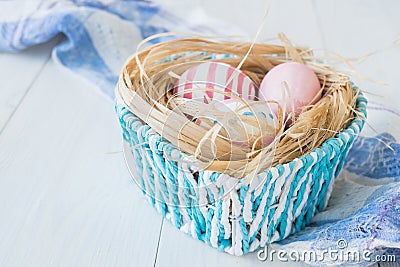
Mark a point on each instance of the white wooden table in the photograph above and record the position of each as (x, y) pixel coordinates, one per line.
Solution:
(66, 196)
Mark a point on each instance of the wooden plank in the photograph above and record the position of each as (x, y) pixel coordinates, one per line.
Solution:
(356, 28)
(390, 9)
(67, 198)
(18, 72)
(243, 18)
(178, 249)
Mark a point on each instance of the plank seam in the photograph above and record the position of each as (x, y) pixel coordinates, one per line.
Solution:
(26, 92)
(158, 243)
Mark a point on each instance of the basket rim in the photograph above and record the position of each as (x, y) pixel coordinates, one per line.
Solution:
(353, 129)
(149, 101)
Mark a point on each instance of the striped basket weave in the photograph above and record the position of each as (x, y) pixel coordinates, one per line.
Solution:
(235, 215)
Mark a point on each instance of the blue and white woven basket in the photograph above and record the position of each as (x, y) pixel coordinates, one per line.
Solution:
(235, 215)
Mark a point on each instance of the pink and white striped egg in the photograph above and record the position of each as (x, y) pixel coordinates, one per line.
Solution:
(214, 81)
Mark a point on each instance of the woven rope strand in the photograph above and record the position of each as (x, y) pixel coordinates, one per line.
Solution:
(259, 207)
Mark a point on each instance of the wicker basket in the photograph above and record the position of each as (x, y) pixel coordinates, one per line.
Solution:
(235, 215)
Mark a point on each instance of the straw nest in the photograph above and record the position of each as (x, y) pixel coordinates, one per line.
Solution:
(146, 88)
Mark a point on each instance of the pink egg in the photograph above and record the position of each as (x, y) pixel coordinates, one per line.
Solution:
(302, 84)
(221, 78)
